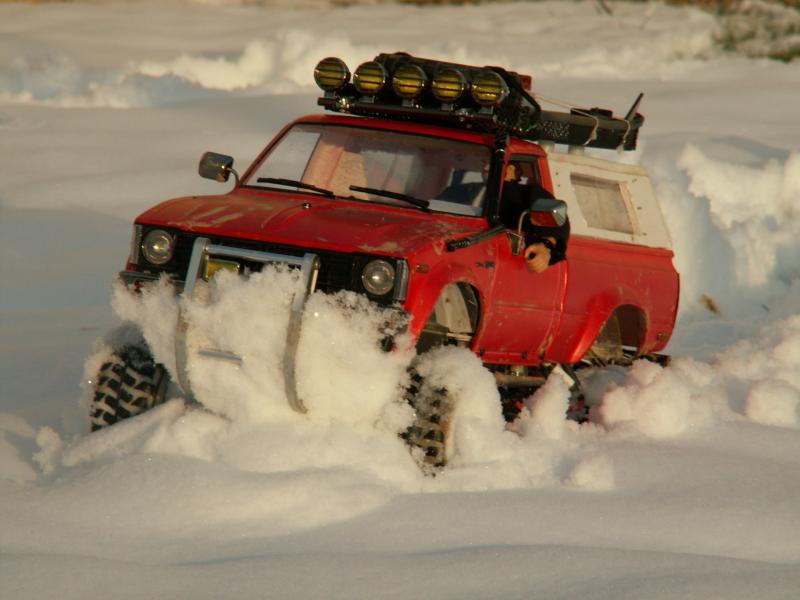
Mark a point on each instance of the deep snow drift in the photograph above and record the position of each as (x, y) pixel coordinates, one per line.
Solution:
(683, 485)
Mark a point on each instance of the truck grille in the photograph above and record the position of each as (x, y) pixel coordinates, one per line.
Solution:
(336, 269)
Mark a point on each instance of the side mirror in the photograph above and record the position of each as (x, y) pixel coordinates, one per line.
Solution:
(548, 212)
(544, 212)
(217, 167)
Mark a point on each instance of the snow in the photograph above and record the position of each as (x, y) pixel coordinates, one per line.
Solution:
(683, 485)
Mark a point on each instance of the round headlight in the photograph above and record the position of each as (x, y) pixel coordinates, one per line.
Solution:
(378, 277)
(448, 85)
(369, 78)
(158, 247)
(331, 74)
(409, 81)
(489, 89)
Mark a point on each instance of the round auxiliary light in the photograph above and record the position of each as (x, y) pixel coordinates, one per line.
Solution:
(378, 277)
(331, 74)
(448, 85)
(369, 78)
(489, 89)
(409, 81)
(158, 247)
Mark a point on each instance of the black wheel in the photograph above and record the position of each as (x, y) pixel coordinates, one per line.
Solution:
(453, 322)
(429, 436)
(128, 384)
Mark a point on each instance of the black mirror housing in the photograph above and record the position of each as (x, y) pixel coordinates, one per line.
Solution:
(215, 166)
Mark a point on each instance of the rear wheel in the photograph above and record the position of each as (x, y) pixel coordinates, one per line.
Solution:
(607, 348)
(128, 384)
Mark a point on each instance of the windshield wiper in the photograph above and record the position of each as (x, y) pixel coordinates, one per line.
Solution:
(394, 195)
(298, 184)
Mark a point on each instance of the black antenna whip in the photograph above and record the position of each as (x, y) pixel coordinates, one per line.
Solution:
(632, 112)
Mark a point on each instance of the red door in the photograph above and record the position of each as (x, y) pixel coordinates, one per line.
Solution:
(523, 309)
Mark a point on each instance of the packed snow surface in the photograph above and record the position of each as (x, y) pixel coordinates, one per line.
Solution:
(683, 485)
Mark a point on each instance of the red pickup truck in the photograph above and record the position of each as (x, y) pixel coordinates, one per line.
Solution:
(398, 195)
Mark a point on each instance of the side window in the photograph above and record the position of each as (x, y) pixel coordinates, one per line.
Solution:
(527, 172)
(605, 204)
(520, 188)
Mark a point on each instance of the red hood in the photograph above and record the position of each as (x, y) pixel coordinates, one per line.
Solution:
(311, 221)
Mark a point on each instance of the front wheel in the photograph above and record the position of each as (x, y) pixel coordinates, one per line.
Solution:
(127, 384)
(430, 435)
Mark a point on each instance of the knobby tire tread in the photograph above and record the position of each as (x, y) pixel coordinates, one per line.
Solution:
(129, 384)
(430, 429)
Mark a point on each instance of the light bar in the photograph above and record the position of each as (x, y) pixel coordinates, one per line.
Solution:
(488, 88)
(466, 97)
(331, 74)
(409, 81)
(448, 85)
(370, 77)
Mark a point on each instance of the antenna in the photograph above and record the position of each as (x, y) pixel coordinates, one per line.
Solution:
(632, 112)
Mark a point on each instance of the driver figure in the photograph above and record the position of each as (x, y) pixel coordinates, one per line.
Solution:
(545, 244)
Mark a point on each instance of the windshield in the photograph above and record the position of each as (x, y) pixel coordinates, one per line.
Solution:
(448, 173)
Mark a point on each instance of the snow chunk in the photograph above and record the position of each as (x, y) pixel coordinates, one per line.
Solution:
(281, 63)
(773, 353)
(594, 472)
(548, 409)
(754, 207)
(155, 312)
(478, 427)
(758, 378)
(343, 373)
(13, 466)
(773, 402)
(660, 402)
(769, 365)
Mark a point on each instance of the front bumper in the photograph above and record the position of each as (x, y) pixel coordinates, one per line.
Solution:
(203, 250)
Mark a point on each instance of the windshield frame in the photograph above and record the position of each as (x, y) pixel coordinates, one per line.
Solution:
(435, 205)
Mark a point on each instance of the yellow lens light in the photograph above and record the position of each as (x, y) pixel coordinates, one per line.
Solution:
(331, 74)
(448, 85)
(409, 81)
(215, 265)
(489, 89)
(369, 78)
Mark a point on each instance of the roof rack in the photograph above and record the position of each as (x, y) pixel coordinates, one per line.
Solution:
(489, 99)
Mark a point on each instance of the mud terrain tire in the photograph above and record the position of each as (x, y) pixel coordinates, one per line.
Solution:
(430, 432)
(128, 384)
